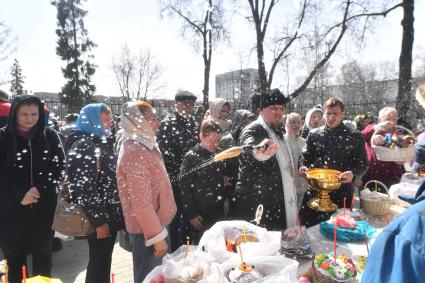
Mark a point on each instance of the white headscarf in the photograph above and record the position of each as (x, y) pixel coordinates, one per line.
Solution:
(308, 116)
(214, 113)
(135, 126)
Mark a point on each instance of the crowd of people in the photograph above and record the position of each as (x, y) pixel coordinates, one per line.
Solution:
(158, 179)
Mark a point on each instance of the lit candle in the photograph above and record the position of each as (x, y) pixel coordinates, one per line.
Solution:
(24, 274)
(334, 242)
(187, 245)
(240, 253)
(244, 233)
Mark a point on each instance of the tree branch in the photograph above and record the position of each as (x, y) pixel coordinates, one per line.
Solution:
(266, 20)
(178, 12)
(383, 13)
(289, 43)
(328, 55)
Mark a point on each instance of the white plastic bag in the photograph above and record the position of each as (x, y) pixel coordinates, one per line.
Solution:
(185, 265)
(214, 241)
(275, 269)
(407, 189)
(154, 275)
(216, 275)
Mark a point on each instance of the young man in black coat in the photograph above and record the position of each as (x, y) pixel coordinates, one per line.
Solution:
(333, 146)
(177, 134)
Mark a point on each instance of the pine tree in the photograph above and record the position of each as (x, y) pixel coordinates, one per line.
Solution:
(17, 82)
(74, 47)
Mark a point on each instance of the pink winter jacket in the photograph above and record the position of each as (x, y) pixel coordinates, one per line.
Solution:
(145, 191)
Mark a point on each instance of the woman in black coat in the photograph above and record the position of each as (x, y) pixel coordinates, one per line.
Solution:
(31, 163)
(93, 185)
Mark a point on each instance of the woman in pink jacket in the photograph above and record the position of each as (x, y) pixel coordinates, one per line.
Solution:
(145, 190)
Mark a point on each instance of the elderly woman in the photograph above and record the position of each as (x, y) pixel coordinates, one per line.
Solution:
(31, 162)
(313, 119)
(388, 173)
(144, 188)
(295, 144)
(93, 185)
(219, 112)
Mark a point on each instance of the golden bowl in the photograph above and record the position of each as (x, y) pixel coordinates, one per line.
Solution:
(324, 179)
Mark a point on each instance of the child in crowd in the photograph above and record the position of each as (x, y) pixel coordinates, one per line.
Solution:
(202, 182)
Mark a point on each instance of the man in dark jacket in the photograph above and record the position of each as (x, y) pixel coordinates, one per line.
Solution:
(31, 163)
(177, 134)
(333, 146)
(4, 108)
(260, 179)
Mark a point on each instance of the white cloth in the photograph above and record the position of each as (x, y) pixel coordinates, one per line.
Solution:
(296, 145)
(285, 161)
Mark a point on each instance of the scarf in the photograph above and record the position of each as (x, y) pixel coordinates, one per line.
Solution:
(135, 126)
(285, 161)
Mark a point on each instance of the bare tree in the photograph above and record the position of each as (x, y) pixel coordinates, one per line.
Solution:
(7, 43)
(137, 76)
(149, 74)
(405, 61)
(261, 11)
(203, 25)
(123, 67)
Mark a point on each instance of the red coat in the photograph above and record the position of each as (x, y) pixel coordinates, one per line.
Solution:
(388, 173)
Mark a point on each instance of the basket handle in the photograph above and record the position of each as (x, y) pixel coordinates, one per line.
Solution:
(407, 130)
(399, 127)
(380, 183)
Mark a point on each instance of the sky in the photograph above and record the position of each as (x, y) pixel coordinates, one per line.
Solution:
(111, 24)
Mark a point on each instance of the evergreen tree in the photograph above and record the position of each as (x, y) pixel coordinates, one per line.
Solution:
(17, 82)
(74, 47)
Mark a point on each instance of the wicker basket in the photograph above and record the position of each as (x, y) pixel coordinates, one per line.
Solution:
(319, 277)
(376, 206)
(405, 154)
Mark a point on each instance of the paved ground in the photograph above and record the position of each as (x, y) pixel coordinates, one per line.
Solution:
(69, 264)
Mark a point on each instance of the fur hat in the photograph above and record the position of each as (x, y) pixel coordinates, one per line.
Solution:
(185, 95)
(272, 97)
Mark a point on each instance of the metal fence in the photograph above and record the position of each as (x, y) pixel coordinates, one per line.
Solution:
(59, 110)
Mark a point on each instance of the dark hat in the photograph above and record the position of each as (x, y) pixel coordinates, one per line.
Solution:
(272, 97)
(185, 95)
(420, 195)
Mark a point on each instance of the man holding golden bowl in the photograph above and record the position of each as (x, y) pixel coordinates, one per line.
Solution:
(332, 146)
